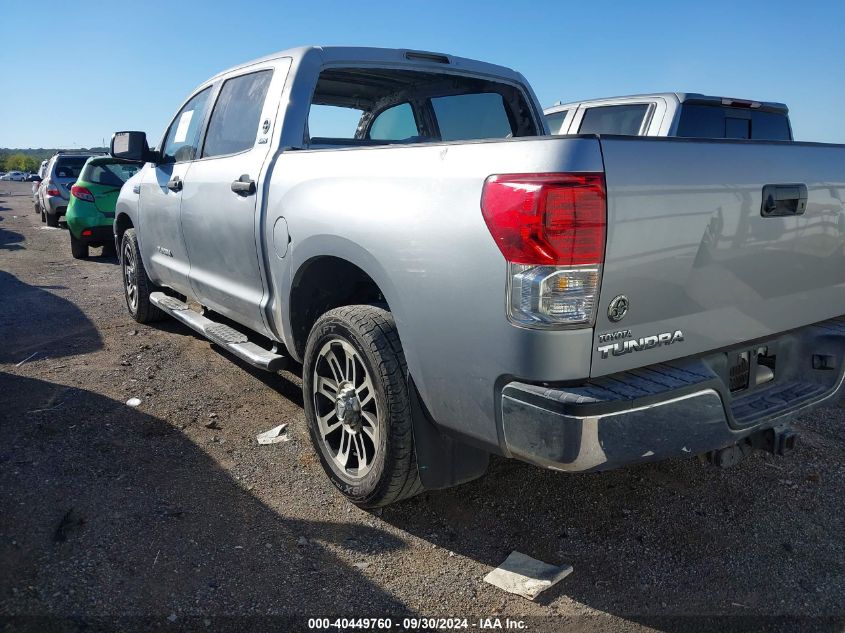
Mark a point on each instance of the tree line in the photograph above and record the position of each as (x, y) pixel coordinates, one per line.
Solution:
(29, 160)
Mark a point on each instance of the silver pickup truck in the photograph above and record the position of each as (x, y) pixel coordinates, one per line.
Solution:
(457, 283)
(685, 114)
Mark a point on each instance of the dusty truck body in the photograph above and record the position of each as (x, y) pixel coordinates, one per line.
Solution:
(457, 283)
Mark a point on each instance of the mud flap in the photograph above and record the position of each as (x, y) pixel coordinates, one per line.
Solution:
(442, 461)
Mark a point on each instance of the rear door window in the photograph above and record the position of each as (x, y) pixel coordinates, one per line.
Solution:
(183, 136)
(614, 119)
(395, 124)
(706, 121)
(234, 121)
(555, 121)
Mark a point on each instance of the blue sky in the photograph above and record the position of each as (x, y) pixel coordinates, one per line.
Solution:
(71, 75)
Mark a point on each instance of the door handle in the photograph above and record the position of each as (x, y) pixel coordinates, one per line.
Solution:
(244, 186)
(175, 184)
(781, 200)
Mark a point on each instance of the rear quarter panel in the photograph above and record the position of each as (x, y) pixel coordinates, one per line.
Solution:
(410, 217)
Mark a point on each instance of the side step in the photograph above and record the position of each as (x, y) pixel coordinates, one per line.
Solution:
(223, 335)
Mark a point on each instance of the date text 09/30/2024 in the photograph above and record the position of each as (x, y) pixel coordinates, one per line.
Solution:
(415, 624)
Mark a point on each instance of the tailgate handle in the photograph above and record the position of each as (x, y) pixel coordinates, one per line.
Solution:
(781, 200)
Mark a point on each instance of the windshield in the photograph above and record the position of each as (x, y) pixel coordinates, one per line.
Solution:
(69, 166)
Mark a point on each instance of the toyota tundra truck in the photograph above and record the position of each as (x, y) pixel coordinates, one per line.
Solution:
(456, 283)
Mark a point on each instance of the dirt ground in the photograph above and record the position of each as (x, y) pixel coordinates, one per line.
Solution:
(171, 515)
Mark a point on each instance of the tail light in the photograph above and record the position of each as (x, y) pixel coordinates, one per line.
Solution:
(82, 193)
(551, 229)
(52, 190)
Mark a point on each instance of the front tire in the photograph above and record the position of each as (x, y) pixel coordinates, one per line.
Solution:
(355, 389)
(137, 286)
(78, 248)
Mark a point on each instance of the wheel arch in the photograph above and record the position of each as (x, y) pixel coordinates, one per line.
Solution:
(323, 282)
(122, 222)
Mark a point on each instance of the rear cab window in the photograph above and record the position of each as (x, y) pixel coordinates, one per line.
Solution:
(471, 116)
(714, 121)
(361, 107)
(395, 124)
(626, 119)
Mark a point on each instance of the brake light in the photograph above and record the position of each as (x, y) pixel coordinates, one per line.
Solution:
(52, 191)
(551, 229)
(82, 193)
(547, 218)
(87, 233)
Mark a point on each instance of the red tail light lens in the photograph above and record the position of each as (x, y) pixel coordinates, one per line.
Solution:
(52, 191)
(82, 193)
(547, 219)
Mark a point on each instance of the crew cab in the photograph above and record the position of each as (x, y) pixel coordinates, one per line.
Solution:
(456, 282)
(684, 114)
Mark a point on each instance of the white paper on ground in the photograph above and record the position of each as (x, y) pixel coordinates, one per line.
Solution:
(526, 576)
(274, 435)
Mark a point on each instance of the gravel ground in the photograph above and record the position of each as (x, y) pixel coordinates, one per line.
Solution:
(171, 514)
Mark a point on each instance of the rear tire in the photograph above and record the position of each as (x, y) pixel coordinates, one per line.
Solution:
(137, 286)
(52, 219)
(78, 248)
(109, 249)
(355, 367)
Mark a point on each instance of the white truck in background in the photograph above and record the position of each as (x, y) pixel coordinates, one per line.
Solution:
(682, 114)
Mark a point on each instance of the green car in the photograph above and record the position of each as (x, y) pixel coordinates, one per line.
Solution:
(90, 212)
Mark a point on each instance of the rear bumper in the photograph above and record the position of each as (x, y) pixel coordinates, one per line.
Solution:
(670, 410)
(99, 234)
(56, 205)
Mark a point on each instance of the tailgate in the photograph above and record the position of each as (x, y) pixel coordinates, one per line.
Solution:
(702, 262)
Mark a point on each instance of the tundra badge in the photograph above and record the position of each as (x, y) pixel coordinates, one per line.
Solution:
(638, 345)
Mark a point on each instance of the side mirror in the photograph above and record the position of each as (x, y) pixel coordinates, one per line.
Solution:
(131, 146)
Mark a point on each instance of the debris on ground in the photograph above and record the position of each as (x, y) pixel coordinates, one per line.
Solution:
(33, 355)
(133, 402)
(526, 576)
(302, 541)
(273, 436)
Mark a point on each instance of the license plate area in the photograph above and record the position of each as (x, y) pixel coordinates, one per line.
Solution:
(751, 367)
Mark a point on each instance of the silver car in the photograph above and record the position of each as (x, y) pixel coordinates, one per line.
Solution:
(54, 191)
